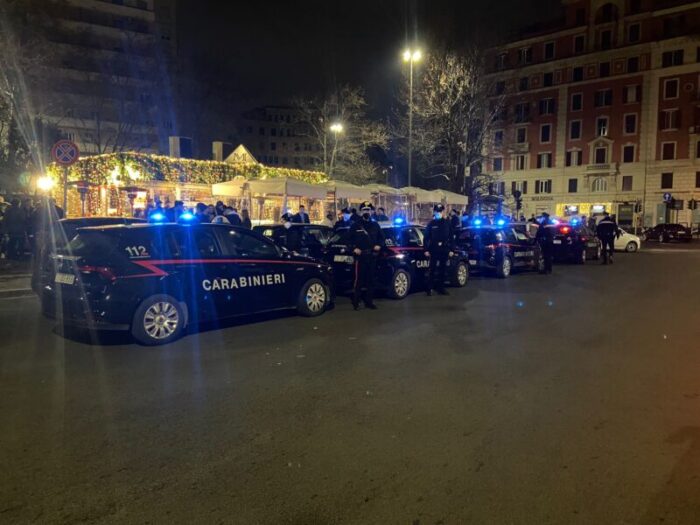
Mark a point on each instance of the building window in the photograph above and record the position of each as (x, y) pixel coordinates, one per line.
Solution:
(630, 124)
(579, 44)
(573, 185)
(261, 131)
(548, 79)
(520, 186)
(520, 135)
(273, 132)
(599, 185)
(577, 102)
(549, 51)
(666, 181)
(575, 130)
(628, 153)
(580, 16)
(604, 69)
(543, 186)
(273, 146)
(600, 155)
(669, 119)
(498, 164)
(501, 61)
(500, 87)
(524, 84)
(603, 98)
(627, 182)
(522, 112)
(672, 58)
(498, 138)
(577, 74)
(697, 179)
(519, 162)
(670, 88)
(633, 64)
(697, 149)
(544, 160)
(668, 150)
(635, 6)
(601, 127)
(606, 39)
(634, 33)
(525, 55)
(631, 94)
(547, 106)
(574, 157)
(545, 133)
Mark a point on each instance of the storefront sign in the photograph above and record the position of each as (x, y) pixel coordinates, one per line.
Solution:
(538, 198)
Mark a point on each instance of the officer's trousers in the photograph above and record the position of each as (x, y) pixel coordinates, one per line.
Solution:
(547, 255)
(438, 270)
(608, 247)
(363, 287)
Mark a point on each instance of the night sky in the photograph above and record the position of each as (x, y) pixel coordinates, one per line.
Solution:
(268, 52)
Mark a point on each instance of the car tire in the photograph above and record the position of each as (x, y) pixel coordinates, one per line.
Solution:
(400, 285)
(581, 257)
(314, 298)
(539, 266)
(158, 320)
(460, 275)
(631, 247)
(598, 253)
(662, 238)
(504, 268)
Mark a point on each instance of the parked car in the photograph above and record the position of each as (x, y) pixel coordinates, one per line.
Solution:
(575, 242)
(312, 238)
(627, 242)
(668, 233)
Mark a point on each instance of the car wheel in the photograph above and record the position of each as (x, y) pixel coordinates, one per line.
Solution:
(460, 275)
(313, 298)
(540, 264)
(400, 284)
(581, 257)
(158, 320)
(662, 238)
(598, 253)
(631, 247)
(504, 269)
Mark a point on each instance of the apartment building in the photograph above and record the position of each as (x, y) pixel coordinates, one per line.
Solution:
(602, 112)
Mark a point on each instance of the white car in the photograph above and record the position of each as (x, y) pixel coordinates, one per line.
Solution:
(627, 242)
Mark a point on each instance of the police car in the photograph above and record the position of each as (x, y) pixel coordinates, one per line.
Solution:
(312, 238)
(155, 279)
(575, 242)
(501, 248)
(401, 266)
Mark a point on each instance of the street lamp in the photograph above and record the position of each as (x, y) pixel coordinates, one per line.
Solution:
(411, 56)
(336, 128)
(45, 183)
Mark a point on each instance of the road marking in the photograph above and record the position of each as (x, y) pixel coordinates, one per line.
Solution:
(661, 250)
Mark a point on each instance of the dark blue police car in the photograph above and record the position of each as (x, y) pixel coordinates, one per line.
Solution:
(402, 265)
(155, 279)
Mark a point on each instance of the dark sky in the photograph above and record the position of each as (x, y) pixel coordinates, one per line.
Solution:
(267, 51)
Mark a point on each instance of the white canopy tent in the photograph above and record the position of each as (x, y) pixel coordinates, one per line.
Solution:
(286, 187)
(453, 199)
(345, 190)
(230, 188)
(421, 196)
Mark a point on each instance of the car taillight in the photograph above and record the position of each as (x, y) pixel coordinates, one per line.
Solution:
(102, 271)
(565, 230)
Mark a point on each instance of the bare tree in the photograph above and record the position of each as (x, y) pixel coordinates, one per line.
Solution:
(454, 114)
(339, 125)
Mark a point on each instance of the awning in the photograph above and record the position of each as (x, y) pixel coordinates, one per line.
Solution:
(345, 190)
(383, 188)
(454, 199)
(230, 188)
(286, 186)
(422, 196)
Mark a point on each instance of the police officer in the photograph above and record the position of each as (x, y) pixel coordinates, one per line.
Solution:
(545, 238)
(607, 230)
(345, 221)
(366, 241)
(438, 243)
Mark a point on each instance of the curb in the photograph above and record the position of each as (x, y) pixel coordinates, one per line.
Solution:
(16, 293)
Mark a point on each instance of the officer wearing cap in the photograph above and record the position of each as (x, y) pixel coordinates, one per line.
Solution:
(438, 242)
(345, 222)
(366, 241)
(545, 238)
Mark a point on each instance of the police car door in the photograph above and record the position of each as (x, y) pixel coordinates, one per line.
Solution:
(413, 240)
(266, 281)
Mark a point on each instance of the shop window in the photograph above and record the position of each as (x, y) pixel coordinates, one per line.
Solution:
(573, 185)
(599, 185)
(666, 181)
(627, 182)
(628, 153)
(668, 150)
(575, 130)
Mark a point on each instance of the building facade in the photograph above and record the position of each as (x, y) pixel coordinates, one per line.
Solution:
(275, 137)
(602, 113)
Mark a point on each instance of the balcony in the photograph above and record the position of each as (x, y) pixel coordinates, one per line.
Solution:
(599, 168)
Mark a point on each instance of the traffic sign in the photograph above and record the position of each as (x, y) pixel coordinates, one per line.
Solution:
(667, 197)
(65, 152)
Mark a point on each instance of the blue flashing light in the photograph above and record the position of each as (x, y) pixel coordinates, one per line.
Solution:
(500, 222)
(477, 222)
(574, 221)
(157, 217)
(398, 221)
(187, 216)
(555, 221)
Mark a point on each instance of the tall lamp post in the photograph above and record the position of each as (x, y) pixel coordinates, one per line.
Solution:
(410, 56)
(336, 128)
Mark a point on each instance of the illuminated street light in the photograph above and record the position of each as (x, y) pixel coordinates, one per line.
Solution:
(336, 127)
(45, 183)
(411, 56)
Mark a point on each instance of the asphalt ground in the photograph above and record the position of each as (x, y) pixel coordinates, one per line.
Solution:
(571, 398)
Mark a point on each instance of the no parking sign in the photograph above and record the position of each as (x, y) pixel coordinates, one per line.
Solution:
(65, 152)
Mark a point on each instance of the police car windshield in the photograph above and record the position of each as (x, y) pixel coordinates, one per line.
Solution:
(340, 237)
(93, 245)
(485, 235)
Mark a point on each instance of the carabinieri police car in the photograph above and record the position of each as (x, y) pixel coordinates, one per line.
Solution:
(402, 265)
(575, 242)
(500, 248)
(306, 239)
(155, 279)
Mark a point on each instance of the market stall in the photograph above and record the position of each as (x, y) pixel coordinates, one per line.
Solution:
(393, 200)
(273, 197)
(341, 194)
(421, 202)
(453, 200)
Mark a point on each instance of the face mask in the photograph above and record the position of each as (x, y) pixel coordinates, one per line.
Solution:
(366, 216)
(346, 216)
(437, 215)
(287, 225)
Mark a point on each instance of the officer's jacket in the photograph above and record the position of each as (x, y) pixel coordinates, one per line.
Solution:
(545, 233)
(607, 228)
(342, 224)
(438, 235)
(290, 238)
(365, 235)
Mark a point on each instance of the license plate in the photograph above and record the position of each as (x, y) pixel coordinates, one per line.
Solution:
(65, 278)
(343, 258)
(472, 262)
(557, 241)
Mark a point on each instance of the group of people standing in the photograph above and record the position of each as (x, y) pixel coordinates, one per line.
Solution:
(21, 224)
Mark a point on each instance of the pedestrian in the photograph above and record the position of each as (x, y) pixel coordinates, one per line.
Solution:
(201, 212)
(607, 231)
(381, 216)
(173, 214)
(438, 241)
(290, 238)
(366, 241)
(301, 217)
(345, 220)
(533, 219)
(455, 222)
(245, 219)
(328, 221)
(15, 225)
(157, 209)
(545, 238)
(232, 215)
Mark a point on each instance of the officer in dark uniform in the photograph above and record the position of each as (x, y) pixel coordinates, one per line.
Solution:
(366, 241)
(545, 238)
(607, 232)
(290, 237)
(438, 243)
(345, 222)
